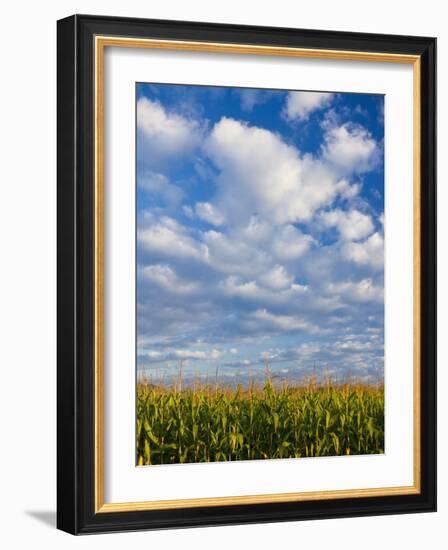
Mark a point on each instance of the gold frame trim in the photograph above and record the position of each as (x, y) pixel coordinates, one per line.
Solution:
(101, 42)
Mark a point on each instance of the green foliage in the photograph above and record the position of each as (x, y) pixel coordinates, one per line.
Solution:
(215, 423)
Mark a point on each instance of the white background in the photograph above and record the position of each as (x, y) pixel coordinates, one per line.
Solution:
(123, 481)
(28, 268)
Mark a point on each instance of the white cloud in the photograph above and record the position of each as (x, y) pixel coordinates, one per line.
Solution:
(169, 238)
(361, 291)
(350, 148)
(284, 293)
(347, 190)
(299, 105)
(196, 354)
(229, 254)
(165, 277)
(257, 231)
(152, 354)
(180, 354)
(353, 345)
(262, 175)
(277, 278)
(164, 133)
(369, 252)
(352, 225)
(252, 251)
(233, 286)
(208, 213)
(158, 184)
(250, 97)
(289, 243)
(285, 323)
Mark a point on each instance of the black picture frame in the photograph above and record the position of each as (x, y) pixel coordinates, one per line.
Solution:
(76, 271)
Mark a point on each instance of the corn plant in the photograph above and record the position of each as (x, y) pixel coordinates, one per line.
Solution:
(211, 423)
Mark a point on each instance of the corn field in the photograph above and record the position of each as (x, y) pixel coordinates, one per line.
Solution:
(217, 423)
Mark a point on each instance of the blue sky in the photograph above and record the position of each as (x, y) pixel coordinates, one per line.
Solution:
(259, 233)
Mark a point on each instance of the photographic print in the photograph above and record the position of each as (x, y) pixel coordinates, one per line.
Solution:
(260, 257)
(246, 274)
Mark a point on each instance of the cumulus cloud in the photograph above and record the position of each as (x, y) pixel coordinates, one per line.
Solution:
(184, 354)
(352, 225)
(208, 213)
(229, 254)
(250, 97)
(164, 134)
(347, 190)
(350, 148)
(234, 286)
(165, 277)
(283, 323)
(167, 237)
(198, 354)
(361, 291)
(261, 174)
(253, 291)
(289, 243)
(277, 278)
(354, 345)
(299, 105)
(369, 252)
(347, 356)
(157, 184)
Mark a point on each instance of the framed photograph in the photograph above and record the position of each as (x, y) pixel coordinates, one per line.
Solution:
(246, 274)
